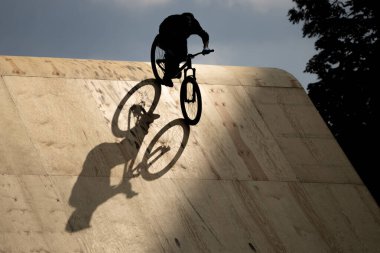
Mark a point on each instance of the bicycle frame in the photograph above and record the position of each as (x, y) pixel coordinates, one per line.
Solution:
(188, 65)
(190, 94)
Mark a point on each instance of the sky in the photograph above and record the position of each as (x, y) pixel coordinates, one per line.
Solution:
(242, 32)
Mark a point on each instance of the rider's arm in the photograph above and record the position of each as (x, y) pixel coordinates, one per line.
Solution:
(205, 45)
(198, 30)
(205, 38)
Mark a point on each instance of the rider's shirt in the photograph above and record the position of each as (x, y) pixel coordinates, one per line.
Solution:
(176, 28)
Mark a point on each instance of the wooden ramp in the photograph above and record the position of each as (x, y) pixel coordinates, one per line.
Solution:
(84, 169)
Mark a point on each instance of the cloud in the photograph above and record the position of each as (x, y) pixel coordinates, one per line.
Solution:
(257, 5)
(134, 3)
(262, 6)
(143, 2)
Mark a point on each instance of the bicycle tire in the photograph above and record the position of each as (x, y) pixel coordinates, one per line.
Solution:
(145, 86)
(157, 54)
(191, 106)
(146, 171)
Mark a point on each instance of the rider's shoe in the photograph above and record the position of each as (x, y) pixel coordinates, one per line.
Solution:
(167, 81)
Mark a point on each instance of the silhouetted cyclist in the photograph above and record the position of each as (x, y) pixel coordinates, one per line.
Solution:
(173, 34)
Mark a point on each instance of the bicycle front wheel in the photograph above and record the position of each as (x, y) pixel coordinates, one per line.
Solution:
(191, 101)
(157, 59)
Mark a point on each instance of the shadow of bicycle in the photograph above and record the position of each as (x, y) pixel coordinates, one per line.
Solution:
(131, 122)
(163, 151)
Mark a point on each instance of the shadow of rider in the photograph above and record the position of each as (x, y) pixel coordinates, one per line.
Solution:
(93, 186)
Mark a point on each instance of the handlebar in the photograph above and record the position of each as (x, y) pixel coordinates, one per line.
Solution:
(207, 51)
(204, 52)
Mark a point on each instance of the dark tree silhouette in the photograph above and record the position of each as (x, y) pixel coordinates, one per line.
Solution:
(346, 63)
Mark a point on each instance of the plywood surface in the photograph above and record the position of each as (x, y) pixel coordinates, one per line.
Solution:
(260, 173)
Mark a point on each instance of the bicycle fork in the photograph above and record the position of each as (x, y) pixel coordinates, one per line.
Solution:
(190, 96)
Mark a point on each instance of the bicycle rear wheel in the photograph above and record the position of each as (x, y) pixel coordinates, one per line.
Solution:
(191, 101)
(157, 58)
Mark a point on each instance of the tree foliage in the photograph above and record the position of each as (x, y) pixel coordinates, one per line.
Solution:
(346, 63)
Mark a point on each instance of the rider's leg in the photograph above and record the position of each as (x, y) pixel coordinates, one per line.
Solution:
(178, 53)
(175, 54)
(170, 68)
(181, 53)
(181, 50)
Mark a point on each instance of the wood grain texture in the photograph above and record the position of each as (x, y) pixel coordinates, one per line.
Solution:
(95, 157)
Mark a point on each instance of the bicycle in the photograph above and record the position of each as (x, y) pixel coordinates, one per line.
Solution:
(190, 94)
